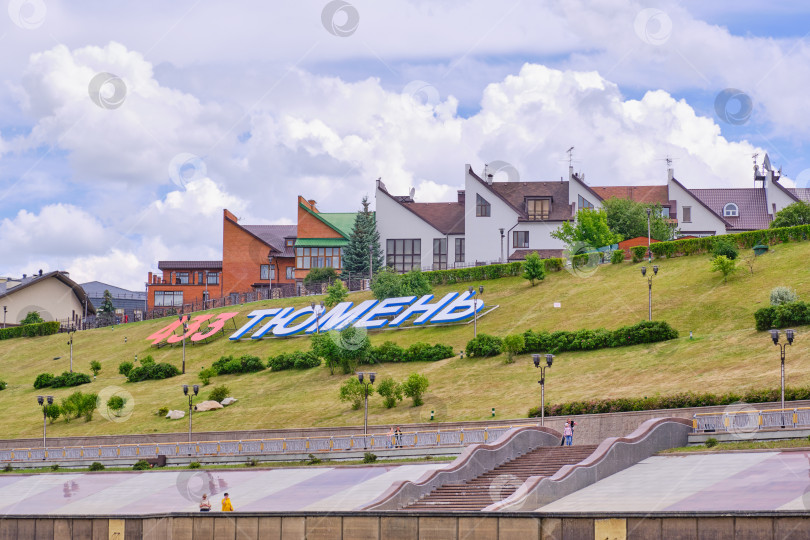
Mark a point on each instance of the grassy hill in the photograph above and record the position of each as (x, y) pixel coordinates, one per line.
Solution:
(726, 353)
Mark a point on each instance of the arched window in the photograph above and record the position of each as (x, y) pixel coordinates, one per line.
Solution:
(730, 210)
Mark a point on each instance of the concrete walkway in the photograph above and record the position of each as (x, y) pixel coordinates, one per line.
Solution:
(288, 489)
(702, 482)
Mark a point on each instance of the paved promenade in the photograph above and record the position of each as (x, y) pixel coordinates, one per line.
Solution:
(702, 482)
(289, 489)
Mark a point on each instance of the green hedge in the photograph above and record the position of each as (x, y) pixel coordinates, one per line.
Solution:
(228, 365)
(418, 352)
(675, 401)
(484, 345)
(30, 330)
(744, 240)
(588, 340)
(293, 360)
(152, 371)
(65, 380)
(491, 271)
(782, 316)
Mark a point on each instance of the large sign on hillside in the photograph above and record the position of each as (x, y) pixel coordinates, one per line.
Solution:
(370, 314)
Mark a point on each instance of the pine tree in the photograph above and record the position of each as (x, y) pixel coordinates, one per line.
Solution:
(364, 233)
(106, 311)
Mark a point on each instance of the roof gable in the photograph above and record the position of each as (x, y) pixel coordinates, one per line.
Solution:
(751, 203)
(515, 194)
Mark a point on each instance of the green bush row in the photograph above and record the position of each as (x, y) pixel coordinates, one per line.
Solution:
(152, 371)
(30, 330)
(782, 316)
(293, 360)
(228, 365)
(674, 401)
(418, 352)
(588, 340)
(491, 271)
(65, 380)
(744, 240)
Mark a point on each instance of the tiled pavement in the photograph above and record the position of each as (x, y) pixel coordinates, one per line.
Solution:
(711, 482)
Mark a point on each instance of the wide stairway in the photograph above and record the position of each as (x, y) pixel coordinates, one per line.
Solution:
(502, 481)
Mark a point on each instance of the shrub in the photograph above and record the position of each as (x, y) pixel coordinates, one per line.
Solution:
(95, 367)
(43, 380)
(514, 344)
(116, 404)
(783, 295)
(141, 465)
(124, 368)
(151, 371)
(387, 352)
(726, 248)
(711, 442)
(218, 393)
(96, 466)
(414, 387)
(3, 384)
(313, 460)
(422, 352)
(724, 265)
(617, 257)
(782, 316)
(55, 467)
(555, 264)
(206, 374)
(389, 284)
(32, 317)
(293, 360)
(52, 412)
(163, 411)
(353, 391)
(68, 379)
(484, 345)
(534, 269)
(194, 465)
(638, 253)
(587, 340)
(391, 392)
(335, 294)
(228, 365)
(368, 457)
(30, 330)
(320, 275)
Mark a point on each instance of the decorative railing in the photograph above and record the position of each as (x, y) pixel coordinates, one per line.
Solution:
(750, 420)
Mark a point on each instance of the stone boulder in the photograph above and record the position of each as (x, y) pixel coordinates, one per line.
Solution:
(209, 405)
(228, 401)
(175, 415)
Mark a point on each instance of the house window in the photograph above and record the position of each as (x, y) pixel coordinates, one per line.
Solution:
(213, 278)
(267, 272)
(200, 277)
(520, 239)
(290, 272)
(440, 253)
(403, 254)
(584, 203)
(181, 278)
(317, 257)
(665, 211)
(687, 214)
(459, 250)
(168, 298)
(482, 207)
(538, 209)
(731, 210)
(289, 242)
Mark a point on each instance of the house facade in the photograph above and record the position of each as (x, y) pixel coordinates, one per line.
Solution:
(128, 305)
(53, 295)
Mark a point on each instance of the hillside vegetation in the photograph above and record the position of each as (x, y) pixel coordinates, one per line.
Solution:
(725, 354)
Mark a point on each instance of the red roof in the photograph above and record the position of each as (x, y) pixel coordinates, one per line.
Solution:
(274, 235)
(447, 218)
(641, 194)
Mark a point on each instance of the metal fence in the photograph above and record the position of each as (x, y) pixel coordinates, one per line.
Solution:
(258, 447)
(750, 420)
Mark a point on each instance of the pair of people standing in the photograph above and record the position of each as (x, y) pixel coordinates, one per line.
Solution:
(205, 504)
(568, 433)
(394, 437)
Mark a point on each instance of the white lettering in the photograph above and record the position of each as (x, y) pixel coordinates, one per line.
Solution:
(466, 303)
(422, 306)
(389, 306)
(254, 318)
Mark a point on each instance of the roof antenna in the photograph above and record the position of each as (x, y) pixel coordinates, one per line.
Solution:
(570, 153)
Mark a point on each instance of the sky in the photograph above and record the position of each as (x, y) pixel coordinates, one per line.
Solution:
(126, 127)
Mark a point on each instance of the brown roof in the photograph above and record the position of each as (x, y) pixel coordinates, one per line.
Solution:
(520, 254)
(803, 194)
(751, 203)
(515, 193)
(80, 293)
(641, 194)
(190, 265)
(447, 218)
(274, 235)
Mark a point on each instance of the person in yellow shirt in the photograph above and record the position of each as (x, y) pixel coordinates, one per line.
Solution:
(226, 504)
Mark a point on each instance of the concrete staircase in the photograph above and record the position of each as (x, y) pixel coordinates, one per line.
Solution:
(500, 482)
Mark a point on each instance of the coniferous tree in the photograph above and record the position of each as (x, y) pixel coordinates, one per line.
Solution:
(364, 234)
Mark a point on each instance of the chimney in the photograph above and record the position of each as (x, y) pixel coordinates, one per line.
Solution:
(24, 276)
(40, 271)
(487, 175)
(411, 193)
(149, 279)
(670, 174)
(570, 173)
(312, 203)
(461, 196)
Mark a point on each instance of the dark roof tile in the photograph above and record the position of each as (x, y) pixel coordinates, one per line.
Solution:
(751, 203)
(190, 265)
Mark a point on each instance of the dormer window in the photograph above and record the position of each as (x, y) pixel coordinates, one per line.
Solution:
(538, 209)
(482, 207)
(731, 210)
(290, 242)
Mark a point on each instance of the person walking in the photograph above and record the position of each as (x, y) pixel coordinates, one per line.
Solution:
(572, 424)
(568, 433)
(205, 504)
(226, 504)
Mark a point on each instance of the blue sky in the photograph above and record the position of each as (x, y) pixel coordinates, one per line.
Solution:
(320, 98)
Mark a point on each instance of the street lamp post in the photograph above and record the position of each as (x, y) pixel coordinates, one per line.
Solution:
(5, 308)
(317, 309)
(475, 308)
(502, 235)
(41, 401)
(71, 331)
(196, 389)
(649, 283)
(185, 331)
(361, 376)
(789, 334)
(649, 240)
(542, 381)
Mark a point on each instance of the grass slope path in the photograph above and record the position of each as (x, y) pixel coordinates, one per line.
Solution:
(727, 353)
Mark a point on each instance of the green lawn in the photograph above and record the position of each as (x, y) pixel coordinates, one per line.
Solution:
(741, 445)
(725, 354)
